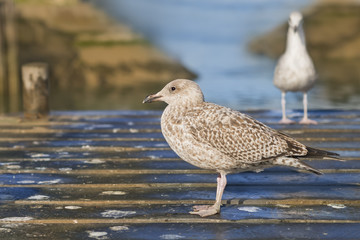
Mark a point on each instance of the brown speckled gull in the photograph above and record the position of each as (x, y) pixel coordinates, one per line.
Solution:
(210, 136)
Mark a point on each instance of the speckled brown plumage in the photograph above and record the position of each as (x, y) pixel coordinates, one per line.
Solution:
(214, 137)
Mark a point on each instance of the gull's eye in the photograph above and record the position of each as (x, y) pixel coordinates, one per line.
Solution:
(173, 88)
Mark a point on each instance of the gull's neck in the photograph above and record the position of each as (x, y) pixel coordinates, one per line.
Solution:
(184, 106)
(295, 40)
(180, 109)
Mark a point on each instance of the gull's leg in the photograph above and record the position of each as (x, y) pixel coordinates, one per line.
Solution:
(305, 119)
(205, 207)
(208, 210)
(284, 119)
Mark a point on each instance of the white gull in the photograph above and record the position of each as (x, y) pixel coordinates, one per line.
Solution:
(295, 70)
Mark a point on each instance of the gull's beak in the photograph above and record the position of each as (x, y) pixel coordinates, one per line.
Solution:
(152, 98)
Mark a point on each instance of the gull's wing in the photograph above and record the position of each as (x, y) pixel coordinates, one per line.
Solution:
(239, 136)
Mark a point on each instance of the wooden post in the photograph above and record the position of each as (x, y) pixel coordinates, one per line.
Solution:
(3, 77)
(35, 90)
(12, 58)
(9, 81)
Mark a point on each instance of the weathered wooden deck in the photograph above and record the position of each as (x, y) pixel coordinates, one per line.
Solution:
(111, 175)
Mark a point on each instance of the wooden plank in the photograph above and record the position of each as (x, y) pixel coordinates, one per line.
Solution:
(246, 178)
(139, 171)
(145, 143)
(169, 192)
(179, 213)
(117, 229)
(67, 165)
(176, 220)
(281, 203)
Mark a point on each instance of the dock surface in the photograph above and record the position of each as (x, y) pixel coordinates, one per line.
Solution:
(111, 175)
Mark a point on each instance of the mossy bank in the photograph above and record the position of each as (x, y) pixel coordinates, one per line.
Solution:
(95, 62)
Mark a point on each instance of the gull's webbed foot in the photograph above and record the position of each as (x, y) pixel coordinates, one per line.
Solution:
(286, 121)
(205, 210)
(308, 121)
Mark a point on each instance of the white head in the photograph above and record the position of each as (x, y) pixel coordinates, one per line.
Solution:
(180, 91)
(295, 21)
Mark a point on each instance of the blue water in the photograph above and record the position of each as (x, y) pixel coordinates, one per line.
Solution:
(210, 37)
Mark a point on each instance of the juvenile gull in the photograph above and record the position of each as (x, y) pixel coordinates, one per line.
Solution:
(213, 137)
(295, 70)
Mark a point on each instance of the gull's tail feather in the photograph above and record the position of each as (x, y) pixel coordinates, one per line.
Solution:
(309, 168)
(294, 162)
(318, 153)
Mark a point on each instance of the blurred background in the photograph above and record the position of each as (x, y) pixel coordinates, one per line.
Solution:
(109, 54)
